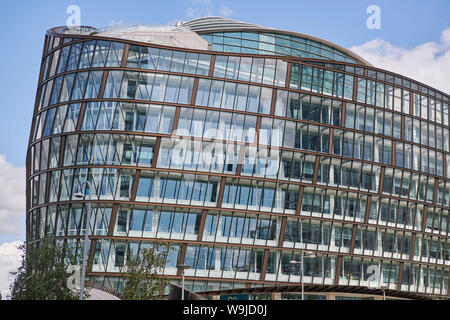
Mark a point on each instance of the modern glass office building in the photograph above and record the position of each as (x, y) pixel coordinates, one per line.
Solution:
(250, 150)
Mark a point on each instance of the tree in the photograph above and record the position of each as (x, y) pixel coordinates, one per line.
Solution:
(143, 278)
(42, 274)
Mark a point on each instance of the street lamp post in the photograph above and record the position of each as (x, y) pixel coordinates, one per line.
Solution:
(383, 288)
(309, 254)
(86, 236)
(183, 267)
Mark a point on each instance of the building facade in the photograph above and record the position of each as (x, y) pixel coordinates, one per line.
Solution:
(250, 150)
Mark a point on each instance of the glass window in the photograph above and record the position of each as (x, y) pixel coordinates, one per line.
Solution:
(203, 64)
(178, 61)
(232, 67)
(257, 70)
(220, 66)
(269, 71)
(203, 92)
(253, 99)
(265, 100)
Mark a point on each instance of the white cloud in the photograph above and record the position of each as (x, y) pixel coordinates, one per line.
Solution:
(10, 258)
(428, 63)
(192, 13)
(202, 8)
(225, 11)
(12, 198)
(113, 23)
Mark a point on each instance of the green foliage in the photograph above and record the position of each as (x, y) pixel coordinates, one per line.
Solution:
(42, 274)
(143, 280)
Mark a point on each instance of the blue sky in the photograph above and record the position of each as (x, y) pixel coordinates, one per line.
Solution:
(23, 25)
(405, 27)
(414, 40)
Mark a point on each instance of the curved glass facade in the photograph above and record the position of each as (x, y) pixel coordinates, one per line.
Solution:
(274, 44)
(242, 162)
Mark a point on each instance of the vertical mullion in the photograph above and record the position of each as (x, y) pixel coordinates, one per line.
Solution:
(411, 103)
(182, 257)
(112, 220)
(202, 225)
(264, 265)
(424, 218)
(126, 49)
(403, 128)
(353, 240)
(47, 184)
(444, 165)
(221, 192)
(368, 205)
(44, 59)
(211, 65)
(344, 107)
(241, 157)
(400, 275)
(393, 146)
(156, 152)
(257, 131)
(62, 146)
(81, 115)
(176, 118)
(273, 101)
(288, 74)
(194, 92)
(50, 62)
(137, 175)
(90, 261)
(355, 88)
(299, 201)
(381, 180)
(101, 90)
(331, 140)
(316, 169)
(338, 270)
(435, 191)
